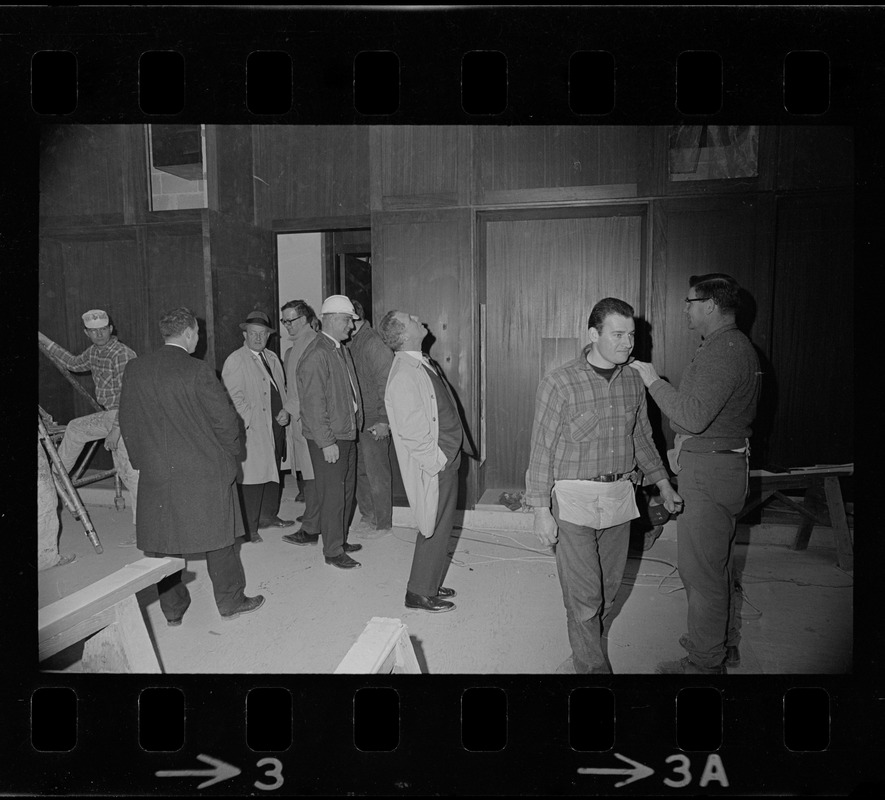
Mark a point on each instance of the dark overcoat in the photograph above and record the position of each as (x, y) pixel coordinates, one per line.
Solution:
(182, 434)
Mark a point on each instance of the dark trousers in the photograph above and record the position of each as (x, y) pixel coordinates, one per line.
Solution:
(225, 572)
(373, 482)
(590, 564)
(310, 522)
(261, 502)
(335, 485)
(714, 488)
(430, 559)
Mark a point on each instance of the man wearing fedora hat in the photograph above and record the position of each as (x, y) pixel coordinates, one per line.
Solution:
(105, 358)
(256, 383)
(331, 415)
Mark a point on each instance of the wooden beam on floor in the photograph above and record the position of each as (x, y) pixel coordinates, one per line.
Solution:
(81, 614)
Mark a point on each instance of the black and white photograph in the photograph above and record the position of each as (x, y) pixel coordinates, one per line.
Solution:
(574, 480)
(442, 400)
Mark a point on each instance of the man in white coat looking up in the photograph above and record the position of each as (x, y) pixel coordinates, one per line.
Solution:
(428, 436)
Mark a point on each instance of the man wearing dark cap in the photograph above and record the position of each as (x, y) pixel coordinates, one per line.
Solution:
(256, 384)
(105, 358)
(710, 413)
(331, 415)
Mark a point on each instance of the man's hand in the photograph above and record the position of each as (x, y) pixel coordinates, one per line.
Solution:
(646, 371)
(43, 339)
(672, 501)
(545, 527)
(112, 439)
(283, 417)
(380, 430)
(330, 453)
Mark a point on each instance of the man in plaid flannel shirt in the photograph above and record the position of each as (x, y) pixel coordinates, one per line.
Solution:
(105, 358)
(592, 441)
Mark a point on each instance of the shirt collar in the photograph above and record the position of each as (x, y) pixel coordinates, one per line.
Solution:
(332, 339)
(175, 344)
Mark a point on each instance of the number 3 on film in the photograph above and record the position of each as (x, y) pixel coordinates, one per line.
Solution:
(275, 771)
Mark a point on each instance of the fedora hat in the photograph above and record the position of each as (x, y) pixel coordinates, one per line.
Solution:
(257, 318)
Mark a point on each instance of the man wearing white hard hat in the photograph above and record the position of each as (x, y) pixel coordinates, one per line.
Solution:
(105, 358)
(331, 415)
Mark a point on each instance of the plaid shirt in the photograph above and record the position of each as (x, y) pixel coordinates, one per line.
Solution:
(587, 426)
(106, 365)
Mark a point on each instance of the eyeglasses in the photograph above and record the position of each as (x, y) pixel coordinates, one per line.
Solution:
(290, 321)
(696, 299)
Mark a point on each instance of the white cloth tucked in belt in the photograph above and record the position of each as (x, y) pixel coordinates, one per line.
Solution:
(594, 504)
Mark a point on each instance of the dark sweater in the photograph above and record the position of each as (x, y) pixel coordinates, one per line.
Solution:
(716, 400)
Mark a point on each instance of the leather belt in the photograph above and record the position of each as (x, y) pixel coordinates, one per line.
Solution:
(611, 477)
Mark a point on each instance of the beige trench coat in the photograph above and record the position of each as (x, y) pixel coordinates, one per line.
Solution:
(249, 387)
(414, 424)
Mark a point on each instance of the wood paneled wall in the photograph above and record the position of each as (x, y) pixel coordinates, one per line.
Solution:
(512, 160)
(310, 172)
(240, 276)
(81, 174)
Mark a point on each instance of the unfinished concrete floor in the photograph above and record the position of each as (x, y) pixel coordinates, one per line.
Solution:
(796, 617)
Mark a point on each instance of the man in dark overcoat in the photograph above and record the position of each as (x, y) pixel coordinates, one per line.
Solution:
(183, 433)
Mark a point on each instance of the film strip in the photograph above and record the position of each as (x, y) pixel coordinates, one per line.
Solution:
(458, 734)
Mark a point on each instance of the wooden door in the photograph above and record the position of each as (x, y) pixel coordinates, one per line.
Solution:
(543, 277)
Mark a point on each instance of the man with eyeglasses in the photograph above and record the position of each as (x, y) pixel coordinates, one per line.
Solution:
(299, 319)
(331, 416)
(253, 376)
(710, 413)
(106, 359)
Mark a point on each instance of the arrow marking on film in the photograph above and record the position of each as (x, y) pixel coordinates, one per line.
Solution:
(636, 772)
(220, 771)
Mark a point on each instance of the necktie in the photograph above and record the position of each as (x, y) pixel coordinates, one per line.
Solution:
(267, 367)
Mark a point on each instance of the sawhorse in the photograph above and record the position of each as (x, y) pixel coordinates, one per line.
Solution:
(821, 505)
(107, 612)
(382, 648)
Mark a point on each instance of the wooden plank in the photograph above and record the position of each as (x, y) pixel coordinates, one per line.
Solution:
(93, 599)
(382, 647)
(841, 534)
(812, 502)
(122, 646)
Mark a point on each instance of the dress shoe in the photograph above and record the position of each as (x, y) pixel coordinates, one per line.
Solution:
(174, 623)
(343, 561)
(732, 656)
(256, 537)
(445, 592)
(301, 537)
(433, 604)
(248, 605)
(275, 522)
(352, 548)
(685, 666)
